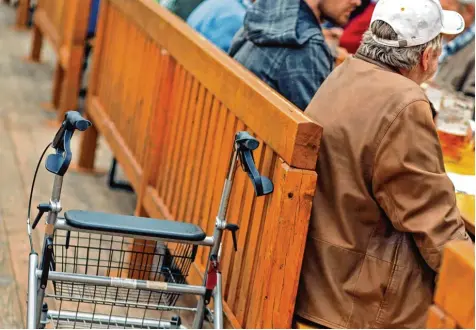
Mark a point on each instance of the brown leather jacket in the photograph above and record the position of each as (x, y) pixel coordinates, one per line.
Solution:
(384, 205)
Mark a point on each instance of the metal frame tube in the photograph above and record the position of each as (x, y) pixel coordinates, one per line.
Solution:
(32, 292)
(218, 305)
(62, 225)
(125, 283)
(106, 319)
(55, 198)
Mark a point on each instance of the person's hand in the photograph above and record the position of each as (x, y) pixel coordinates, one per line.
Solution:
(333, 34)
(341, 55)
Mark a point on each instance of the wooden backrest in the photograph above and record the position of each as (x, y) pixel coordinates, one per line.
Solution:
(169, 104)
(49, 14)
(64, 22)
(454, 298)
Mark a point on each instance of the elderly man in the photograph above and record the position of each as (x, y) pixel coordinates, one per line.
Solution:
(456, 69)
(283, 44)
(384, 206)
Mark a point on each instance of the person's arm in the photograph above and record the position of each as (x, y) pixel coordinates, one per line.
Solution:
(468, 84)
(411, 185)
(302, 73)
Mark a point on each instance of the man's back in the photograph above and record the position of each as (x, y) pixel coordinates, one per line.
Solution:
(383, 207)
(282, 43)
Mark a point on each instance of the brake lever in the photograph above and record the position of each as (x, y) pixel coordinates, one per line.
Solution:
(58, 141)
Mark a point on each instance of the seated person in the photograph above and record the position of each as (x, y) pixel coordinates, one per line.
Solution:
(456, 69)
(283, 44)
(181, 8)
(384, 207)
(353, 32)
(219, 20)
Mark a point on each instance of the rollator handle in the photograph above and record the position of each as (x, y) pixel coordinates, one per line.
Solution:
(58, 163)
(245, 144)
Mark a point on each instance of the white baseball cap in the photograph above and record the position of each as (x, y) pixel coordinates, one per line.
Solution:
(416, 22)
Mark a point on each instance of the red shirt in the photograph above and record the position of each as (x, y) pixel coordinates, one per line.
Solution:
(354, 31)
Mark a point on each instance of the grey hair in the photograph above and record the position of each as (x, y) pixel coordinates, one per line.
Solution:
(399, 58)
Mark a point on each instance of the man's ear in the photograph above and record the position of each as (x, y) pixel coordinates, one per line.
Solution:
(425, 58)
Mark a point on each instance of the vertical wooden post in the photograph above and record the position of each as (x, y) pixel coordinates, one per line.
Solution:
(89, 138)
(36, 44)
(281, 249)
(71, 84)
(57, 83)
(76, 18)
(23, 13)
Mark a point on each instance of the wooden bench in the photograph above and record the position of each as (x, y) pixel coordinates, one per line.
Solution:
(454, 298)
(64, 23)
(169, 103)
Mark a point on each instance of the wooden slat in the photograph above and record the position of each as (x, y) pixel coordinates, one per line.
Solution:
(183, 148)
(179, 82)
(161, 122)
(150, 71)
(205, 160)
(288, 131)
(194, 170)
(190, 148)
(176, 143)
(116, 142)
(133, 100)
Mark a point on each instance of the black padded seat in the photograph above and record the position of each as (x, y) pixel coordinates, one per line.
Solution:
(125, 224)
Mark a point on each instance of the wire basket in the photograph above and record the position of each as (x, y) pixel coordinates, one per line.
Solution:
(115, 256)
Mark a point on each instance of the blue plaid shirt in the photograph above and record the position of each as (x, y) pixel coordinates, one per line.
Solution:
(282, 43)
(457, 43)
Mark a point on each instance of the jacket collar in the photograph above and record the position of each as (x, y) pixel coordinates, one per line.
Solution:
(391, 69)
(377, 63)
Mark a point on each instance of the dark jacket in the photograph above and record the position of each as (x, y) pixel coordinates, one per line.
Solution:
(384, 207)
(457, 71)
(282, 43)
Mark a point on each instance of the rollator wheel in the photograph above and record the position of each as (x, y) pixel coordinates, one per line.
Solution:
(44, 316)
(176, 322)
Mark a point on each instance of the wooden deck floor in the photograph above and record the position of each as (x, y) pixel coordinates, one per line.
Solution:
(23, 136)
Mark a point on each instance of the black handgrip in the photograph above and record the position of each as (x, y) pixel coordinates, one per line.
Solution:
(58, 163)
(245, 140)
(245, 144)
(74, 120)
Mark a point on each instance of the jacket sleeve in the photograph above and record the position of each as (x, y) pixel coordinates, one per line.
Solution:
(302, 72)
(411, 185)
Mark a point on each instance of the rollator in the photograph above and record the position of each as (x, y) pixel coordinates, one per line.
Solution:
(98, 270)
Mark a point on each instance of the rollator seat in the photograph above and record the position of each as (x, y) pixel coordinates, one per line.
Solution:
(125, 224)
